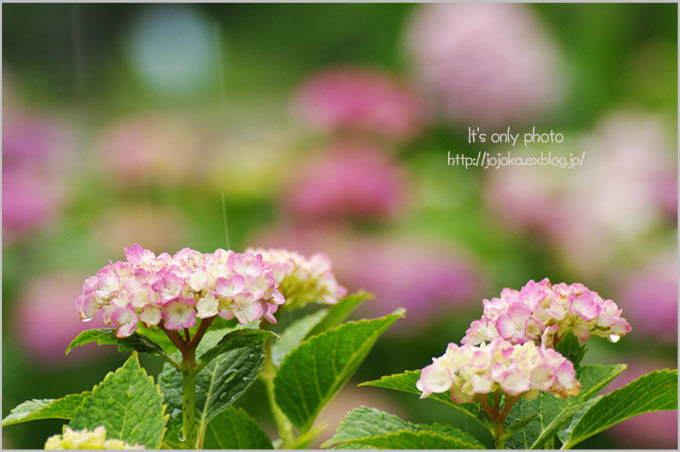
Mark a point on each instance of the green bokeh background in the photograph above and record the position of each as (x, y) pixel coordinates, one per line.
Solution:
(268, 50)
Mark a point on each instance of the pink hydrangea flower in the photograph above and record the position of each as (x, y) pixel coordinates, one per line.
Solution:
(349, 180)
(544, 312)
(177, 289)
(302, 280)
(519, 370)
(485, 64)
(360, 100)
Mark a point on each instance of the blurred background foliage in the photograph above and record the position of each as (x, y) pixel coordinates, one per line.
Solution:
(327, 128)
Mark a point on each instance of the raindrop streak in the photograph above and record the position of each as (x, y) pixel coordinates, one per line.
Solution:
(219, 66)
(78, 60)
(224, 220)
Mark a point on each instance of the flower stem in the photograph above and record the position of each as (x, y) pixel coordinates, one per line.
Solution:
(498, 435)
(283, 424)
(189, 407)
(497, 415)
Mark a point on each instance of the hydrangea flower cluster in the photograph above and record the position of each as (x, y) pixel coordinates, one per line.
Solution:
(85, 439)
(519, 370)
(360, 100)
(172, 291)
(543, 312)
(302, 280)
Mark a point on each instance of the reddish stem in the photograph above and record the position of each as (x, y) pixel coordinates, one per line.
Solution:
(202, 328)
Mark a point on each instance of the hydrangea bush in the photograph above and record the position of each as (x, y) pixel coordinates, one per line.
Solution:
(211, 318)
(519, 374)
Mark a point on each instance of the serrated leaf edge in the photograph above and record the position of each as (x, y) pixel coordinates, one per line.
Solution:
(413, 428)
(397, 314)
(134, 355)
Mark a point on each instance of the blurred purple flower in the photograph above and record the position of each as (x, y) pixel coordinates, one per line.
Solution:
(46, 319)
(347, 180)
(486, 64)
(359, 100)
(648, 431)
(650, 299)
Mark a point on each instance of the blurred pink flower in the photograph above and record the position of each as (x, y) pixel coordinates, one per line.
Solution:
(623, 191)
(360, 100)
(486, 64)
(524, 198)
(347, 180)
(650, 298)
(30, 201)
(156, 227)
(613, 200)
(648, 431)
(46, 319)
(419, 275)
(161, 149)
(27, 139)
(422, 277)
(34, 159)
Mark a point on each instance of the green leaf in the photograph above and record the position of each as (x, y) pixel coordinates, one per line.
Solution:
(373, 428)
(36, 409)
(656, 391)
(128, 404)
(563, 435)
(235, 339)
(552, 413)
(234, 429)
(294, 334)
(339, 312)
(517, 425)
(303, 440)
(572, 349)
(406, 382)
(316, 369)
(107, 336)
(221, 382)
